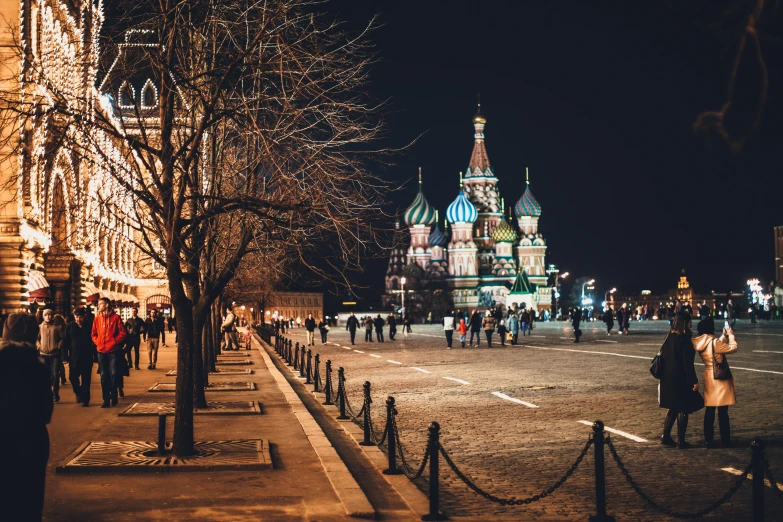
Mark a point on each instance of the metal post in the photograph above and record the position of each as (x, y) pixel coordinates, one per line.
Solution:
(161, 434)
(391, 437)
(367, 419)
(433, 447)
(308, 379)
(316, 374)
(600, 475)
(758, 480)
(328, 389)
(341, 393)
(290, 351)
(296, 357)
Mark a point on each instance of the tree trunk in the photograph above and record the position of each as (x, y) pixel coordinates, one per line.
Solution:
(183, 417)
(199, 382)
(206, 347)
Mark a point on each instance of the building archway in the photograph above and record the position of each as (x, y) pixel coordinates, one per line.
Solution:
(59, 260)
(161, 303)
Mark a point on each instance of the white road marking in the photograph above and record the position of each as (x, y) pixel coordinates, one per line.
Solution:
(616, 432)
(422, 370)
(567, 338)
(457, 380)
(538, 336)
(737, 472)
(393, 362)
(764, 351)
(646, 357)
(606, 341)
(376, 356)
(358, 351)
(648, 344)
(748, 333)
(512, 399)
(347, 347)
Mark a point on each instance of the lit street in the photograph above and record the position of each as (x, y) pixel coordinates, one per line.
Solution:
(515, 418)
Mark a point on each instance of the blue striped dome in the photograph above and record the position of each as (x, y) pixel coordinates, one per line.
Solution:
(527, 205)
(420, 212)
(437, 238)
(461, 210)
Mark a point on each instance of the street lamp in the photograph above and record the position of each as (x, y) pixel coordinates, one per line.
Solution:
(606, 294)
(553, 270)
(402, 309)
(586, 283)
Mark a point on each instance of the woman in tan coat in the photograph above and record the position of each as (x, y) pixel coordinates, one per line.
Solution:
(717, 393)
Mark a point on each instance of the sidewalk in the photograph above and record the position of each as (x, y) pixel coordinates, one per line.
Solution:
(298, 488)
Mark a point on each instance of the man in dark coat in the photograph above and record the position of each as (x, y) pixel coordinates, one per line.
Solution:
(26, 405)
(475, 328)
(379, 324)
(576, 319)
(135, 327)
(351, 325)
(79, 352)
(392, 321)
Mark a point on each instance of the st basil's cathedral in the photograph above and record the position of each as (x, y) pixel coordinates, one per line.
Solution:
(484, 259)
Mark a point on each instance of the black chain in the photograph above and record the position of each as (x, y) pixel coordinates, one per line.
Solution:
(406, 468)
(374, 434)
(772, 482)
(666, 511)
(514, 501)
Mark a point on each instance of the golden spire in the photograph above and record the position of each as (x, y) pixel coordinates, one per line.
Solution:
(460, 179)
(436, 216)
(503, 206)
(527, 176)
(419, 177)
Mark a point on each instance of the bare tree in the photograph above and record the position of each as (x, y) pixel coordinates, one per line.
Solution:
(255, 143)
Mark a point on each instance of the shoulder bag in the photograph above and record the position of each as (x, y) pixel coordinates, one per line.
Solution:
(656, 367)
(720, 370)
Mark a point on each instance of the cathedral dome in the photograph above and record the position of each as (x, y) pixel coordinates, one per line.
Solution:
(461, 210)
(437, 238)
(504, 233)
(420, 212)
(527, 205)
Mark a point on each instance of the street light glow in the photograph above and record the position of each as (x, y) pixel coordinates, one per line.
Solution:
(402, 280)
(564, 275)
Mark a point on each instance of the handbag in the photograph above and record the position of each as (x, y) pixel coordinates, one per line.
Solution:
(656, 366)
(720, 370)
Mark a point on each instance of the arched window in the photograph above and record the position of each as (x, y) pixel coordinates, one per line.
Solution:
(127, 95)
(149, 96)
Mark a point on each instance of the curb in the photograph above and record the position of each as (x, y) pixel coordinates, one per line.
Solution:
(354, 500)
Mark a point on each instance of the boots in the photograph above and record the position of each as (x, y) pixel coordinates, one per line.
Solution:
(668, 423)
(682, 425)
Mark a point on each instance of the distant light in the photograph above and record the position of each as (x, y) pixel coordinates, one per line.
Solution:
(403, 280)
(349, 303)
(646, 292)
(587, 301)
(565, 274)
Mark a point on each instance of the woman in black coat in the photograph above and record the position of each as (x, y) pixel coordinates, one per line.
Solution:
(678, 389)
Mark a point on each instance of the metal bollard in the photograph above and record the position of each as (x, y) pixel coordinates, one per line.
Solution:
(296, 357)
(600, 475)
(367, 419)
(758, 480)
(328, 389)
(308, 379)
(161, 434)
(302, 363)
(341, 393)
(433, 447)
(316, 373)
(391, 437)
(290, 352)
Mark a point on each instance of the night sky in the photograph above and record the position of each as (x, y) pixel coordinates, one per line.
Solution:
(598, 99)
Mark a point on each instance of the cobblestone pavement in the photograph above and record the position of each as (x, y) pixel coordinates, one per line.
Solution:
(515, 418)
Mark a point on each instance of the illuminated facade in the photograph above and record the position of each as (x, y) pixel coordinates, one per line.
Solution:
(486, 261)
(59, 245)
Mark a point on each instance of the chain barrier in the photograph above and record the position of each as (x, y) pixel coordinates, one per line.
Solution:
(666, 511)
(773, 483)
(406, 468)
(514, 501)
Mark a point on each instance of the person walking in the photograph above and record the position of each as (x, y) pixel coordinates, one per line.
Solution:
(475, 327)
(576, 319)
(25, 410)
(626, 319)
(162, 326)
(108, 335)
(227, 327)
(448, 329)
(678, 389)
(609, 320)
(718, 393)
(351, 325)
(406, 325)
(368, 329)
(524, 321)
(59, 322)
(513, 327)
(49, 344)
(310, 327)
(488, 323)
(80, 353)
(392, 322)
(731, 314)
(152, 336)
(248, 338)
(379, 324)
(462, 329)
(502, 332)
(323, 329)
(134, 327)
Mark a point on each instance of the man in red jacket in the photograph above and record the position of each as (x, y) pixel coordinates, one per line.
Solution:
(108, 335)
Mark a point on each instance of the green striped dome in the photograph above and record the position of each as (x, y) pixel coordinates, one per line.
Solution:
(420, 212)
(504, 233)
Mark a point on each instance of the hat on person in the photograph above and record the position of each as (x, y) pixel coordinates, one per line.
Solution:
(20, 328)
